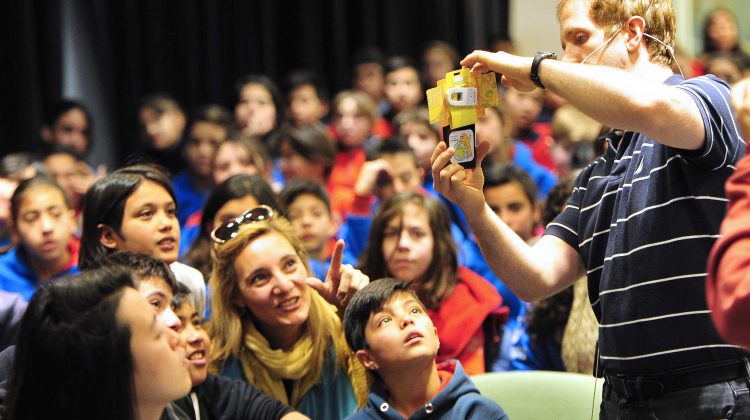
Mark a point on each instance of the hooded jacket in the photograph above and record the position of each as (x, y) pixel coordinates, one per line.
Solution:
(459, 399)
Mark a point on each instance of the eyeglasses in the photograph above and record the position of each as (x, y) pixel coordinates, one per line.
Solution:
(229, 229)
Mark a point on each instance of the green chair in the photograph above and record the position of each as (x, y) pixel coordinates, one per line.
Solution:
(543, 395)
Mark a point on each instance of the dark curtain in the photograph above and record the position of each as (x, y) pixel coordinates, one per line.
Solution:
(30, 64)
(196, 49)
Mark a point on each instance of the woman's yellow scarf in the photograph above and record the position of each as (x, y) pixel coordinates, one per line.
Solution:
(266, 368)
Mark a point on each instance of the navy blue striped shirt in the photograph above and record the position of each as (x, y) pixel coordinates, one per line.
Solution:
(644, 217)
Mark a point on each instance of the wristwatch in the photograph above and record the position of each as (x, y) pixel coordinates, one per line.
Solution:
(535, 66)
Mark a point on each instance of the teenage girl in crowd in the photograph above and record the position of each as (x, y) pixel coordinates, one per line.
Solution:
(277, 329)
(410, 240)
(228, 200)
(42, 224)
(90, 347)
(133, 209)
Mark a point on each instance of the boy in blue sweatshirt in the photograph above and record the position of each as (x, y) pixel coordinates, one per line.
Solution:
(393, 337)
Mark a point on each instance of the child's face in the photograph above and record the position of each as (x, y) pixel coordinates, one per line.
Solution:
(44, 225)
(271, 284)
(72, 175)
(408, 244)
(436, 64)
(524, 107)
(422, 139)
(403, 89)
(490, 129)
(305, 106)
(255, 112)
(162, 130)
(369, 79)
(233, 209)
(197, 341)
(399, 333)
(353, 126)
(72, 130)
(404, 176)
(149, 224)
(510, 203)
(158, 294)
(312, 220)
(159, 367)
(232, 159)
(295, 166)
(201, 145)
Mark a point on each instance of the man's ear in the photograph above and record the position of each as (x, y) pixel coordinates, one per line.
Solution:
(107, 236)
(437, 337)
(421, 172)
(364, 357)
(635, 27)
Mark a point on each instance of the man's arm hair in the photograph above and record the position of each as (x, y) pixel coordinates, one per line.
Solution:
(623, 100)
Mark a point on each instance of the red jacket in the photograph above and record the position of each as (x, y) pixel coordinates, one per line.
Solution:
(728, 283)
(344, 173)
(460, 318)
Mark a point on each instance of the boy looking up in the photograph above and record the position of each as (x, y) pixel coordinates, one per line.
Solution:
(393, 337)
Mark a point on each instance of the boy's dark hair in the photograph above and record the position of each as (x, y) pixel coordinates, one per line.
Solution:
(505, 173)
(392, 146)
(418, 115)
(297, 187)
(161, 103)
(37, 180)
(299, 78)
(55, 110)
(364, 303)
(212, 113)
(312, 142)
(181, 294)
(142, 266)
(366, 55)
(398, 62)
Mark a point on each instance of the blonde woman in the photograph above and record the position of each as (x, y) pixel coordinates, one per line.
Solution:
(275, 327)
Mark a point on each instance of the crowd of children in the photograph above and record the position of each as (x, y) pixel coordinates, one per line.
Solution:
(297, 257)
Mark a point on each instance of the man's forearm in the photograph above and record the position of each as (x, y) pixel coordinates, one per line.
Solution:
(532, 273)
(619, 99)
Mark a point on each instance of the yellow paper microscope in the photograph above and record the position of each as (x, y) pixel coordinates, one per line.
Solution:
(456, 103)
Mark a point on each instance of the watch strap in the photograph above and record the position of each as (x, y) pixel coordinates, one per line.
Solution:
(542, 55)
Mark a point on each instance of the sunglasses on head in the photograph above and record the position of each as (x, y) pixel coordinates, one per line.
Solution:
(229, 229)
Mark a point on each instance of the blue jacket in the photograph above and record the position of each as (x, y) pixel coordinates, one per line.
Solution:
(189, 198)
(523, 158)
(16, 275)
(460, 399)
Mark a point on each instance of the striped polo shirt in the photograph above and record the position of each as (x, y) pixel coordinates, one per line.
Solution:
(643, 218)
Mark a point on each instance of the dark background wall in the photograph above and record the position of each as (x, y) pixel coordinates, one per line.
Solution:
(196, 49)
